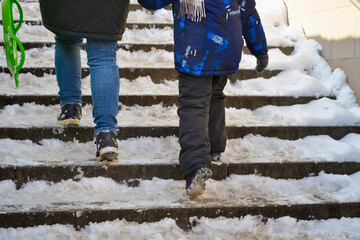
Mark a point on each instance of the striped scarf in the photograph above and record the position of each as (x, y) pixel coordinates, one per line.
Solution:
(194, 9)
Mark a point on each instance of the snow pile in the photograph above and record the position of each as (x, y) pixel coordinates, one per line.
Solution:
(322, 112)
(287, 83)
(248, 227)
(253, 148)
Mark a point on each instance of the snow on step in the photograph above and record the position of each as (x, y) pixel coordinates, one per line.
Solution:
(249, 227)
(287, 83)
(276, 37)
(30, 33)
(236, 190)
(147, 150)
(156, 58)
(306, 64)
(32, 85)
(328, 113)
(305, 57)
(249, 189)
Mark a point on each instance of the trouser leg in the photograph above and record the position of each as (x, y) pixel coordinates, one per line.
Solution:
(105, 83)
(68, 68)
(194, 102)
(217, 135)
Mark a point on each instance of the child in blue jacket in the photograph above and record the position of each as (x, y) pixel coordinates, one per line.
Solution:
(208, 37)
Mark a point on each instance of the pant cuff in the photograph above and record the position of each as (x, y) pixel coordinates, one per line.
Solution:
(105, 129)
(69, 102)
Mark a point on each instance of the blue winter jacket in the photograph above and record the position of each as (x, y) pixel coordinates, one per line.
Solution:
(214, 45)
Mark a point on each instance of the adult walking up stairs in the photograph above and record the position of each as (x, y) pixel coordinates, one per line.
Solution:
(290, 171)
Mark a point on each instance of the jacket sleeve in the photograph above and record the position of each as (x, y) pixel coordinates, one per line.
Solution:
(154, 4)
(252, 28)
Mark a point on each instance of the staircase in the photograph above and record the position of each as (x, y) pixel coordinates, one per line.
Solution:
(49, 175)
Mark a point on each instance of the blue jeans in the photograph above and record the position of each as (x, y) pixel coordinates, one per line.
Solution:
(104, 77)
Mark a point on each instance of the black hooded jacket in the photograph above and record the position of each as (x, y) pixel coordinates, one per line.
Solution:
(97, 19)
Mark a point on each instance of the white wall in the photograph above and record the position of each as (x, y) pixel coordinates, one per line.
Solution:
(336, 25)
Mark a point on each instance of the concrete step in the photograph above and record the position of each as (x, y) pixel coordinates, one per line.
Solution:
(76, 214)
(132, 47)
(158, 75)
(248, 102)
(86, 134)
(82, 217)
(129, 173)
(103, 199)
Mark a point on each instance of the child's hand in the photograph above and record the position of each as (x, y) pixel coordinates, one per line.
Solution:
(262, 62)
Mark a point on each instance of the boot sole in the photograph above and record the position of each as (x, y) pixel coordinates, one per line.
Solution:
(216, 159)
(108, 154)
(198, 184)
(70, 122)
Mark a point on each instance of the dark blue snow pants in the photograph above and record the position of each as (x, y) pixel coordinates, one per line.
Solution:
(202, 120)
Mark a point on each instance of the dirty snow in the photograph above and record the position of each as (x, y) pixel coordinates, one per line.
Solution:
(238, 190)
(147, 150)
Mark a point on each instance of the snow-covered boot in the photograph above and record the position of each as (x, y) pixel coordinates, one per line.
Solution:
(196, 183)
(106, 146)
(215, 156)
(70, 115)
